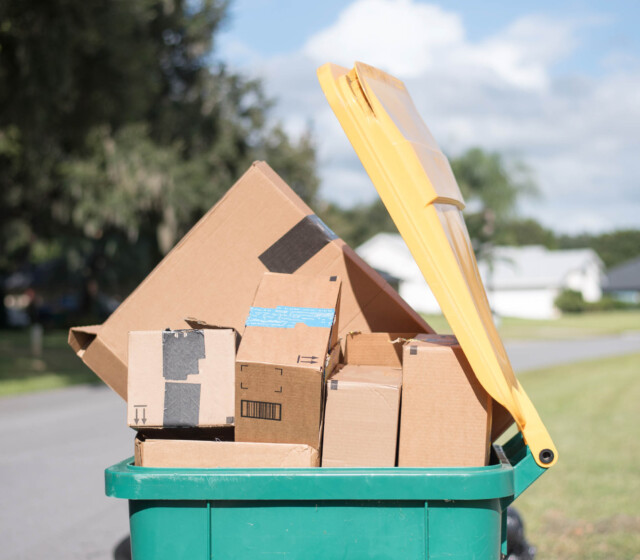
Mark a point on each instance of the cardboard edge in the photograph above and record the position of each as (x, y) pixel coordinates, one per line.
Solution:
(79, 338)
(308, 453)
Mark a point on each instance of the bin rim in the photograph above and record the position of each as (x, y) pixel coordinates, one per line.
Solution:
(514, 471)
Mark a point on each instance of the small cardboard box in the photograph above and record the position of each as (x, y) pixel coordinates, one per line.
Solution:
(446, 414)
(194, 454)
(361, 417)
(181, 378)
(260, 225)
(377, 348)
(283, 356)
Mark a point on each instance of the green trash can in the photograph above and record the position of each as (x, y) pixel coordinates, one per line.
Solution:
(328, 513)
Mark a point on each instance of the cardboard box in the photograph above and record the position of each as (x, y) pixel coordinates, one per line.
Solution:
(181, 378)
(445, 418)
(260, 225)
(283, 356)
(374, 349)
(361, 417)
(194, 454)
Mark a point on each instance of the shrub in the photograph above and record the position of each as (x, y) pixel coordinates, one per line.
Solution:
(570, 301)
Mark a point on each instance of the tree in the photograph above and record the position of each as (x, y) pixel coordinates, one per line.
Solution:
(119, 128)
(613, 247)
(526, 231)
(491, 188)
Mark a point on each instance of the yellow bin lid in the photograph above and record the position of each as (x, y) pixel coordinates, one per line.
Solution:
(416, 184)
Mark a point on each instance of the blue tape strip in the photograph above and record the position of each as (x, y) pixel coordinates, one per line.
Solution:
(285, 317)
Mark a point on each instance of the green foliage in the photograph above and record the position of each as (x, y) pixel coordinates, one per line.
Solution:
(118, 129)
(491, 188)
(613, 248)
(525, 231)
(570, 301)
(356, 225)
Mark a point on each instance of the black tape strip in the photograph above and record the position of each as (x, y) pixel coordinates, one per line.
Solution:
(181, 351)
(413, 350)
(334, 384)
(181, 405)
(297, 246)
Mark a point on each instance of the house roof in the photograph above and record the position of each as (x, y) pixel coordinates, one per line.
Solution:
(624, 277)
(532, 266)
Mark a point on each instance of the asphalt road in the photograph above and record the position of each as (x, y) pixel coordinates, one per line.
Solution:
(56, 445)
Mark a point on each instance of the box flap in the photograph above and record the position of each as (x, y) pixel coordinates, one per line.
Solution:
(292, 321)
(375, 349)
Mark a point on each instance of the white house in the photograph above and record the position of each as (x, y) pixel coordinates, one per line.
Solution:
(522, 282)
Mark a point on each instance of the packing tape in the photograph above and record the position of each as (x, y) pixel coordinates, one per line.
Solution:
(298, 245)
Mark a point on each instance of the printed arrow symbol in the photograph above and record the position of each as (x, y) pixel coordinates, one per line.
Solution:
(144, 415)
(136, 418)
(307, 359)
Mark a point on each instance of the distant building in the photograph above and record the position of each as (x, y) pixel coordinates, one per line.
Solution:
(523, 281)
(623, 281)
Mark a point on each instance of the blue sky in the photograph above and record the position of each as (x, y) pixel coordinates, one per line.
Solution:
(553, 84)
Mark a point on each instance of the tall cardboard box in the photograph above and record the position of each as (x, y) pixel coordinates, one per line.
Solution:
(283, 356)
(445, 418)
(181, 378)
(259, 226)
(361, 417)
(363, 402)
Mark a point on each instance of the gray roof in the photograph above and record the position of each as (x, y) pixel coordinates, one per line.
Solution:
(624, 277)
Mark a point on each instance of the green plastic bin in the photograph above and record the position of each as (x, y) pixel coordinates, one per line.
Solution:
(328, 513)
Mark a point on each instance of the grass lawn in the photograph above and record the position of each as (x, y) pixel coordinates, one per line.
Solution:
(58, 366)
(587, 506)
(568, 326)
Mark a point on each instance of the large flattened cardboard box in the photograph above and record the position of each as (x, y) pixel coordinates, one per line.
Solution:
(195, 454)
(181, 378)
(445, 418)
(259, 226)
(282, 359)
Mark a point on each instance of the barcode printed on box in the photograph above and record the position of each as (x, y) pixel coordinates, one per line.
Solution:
(262, 410)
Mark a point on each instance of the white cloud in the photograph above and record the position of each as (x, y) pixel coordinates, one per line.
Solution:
(400, 36)
(578, 133)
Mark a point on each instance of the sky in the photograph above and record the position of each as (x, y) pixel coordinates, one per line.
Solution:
(555, 85)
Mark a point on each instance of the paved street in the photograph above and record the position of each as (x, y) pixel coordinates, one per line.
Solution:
(55, 446)
(535, 354)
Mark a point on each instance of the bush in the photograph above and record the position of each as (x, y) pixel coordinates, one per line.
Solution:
(570, 301)
(608, 303)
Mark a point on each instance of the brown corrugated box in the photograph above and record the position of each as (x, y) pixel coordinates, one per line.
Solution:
(445, 418)
(193, 454)
(377, 348)
(363, 403)
(283, 357)
(260, 225)
(181, 378)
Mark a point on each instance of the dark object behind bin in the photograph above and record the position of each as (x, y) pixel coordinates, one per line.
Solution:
(518, 548)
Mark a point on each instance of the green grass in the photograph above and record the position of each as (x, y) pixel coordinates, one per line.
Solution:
(587, 506)
(567, 326)
(57, 367)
